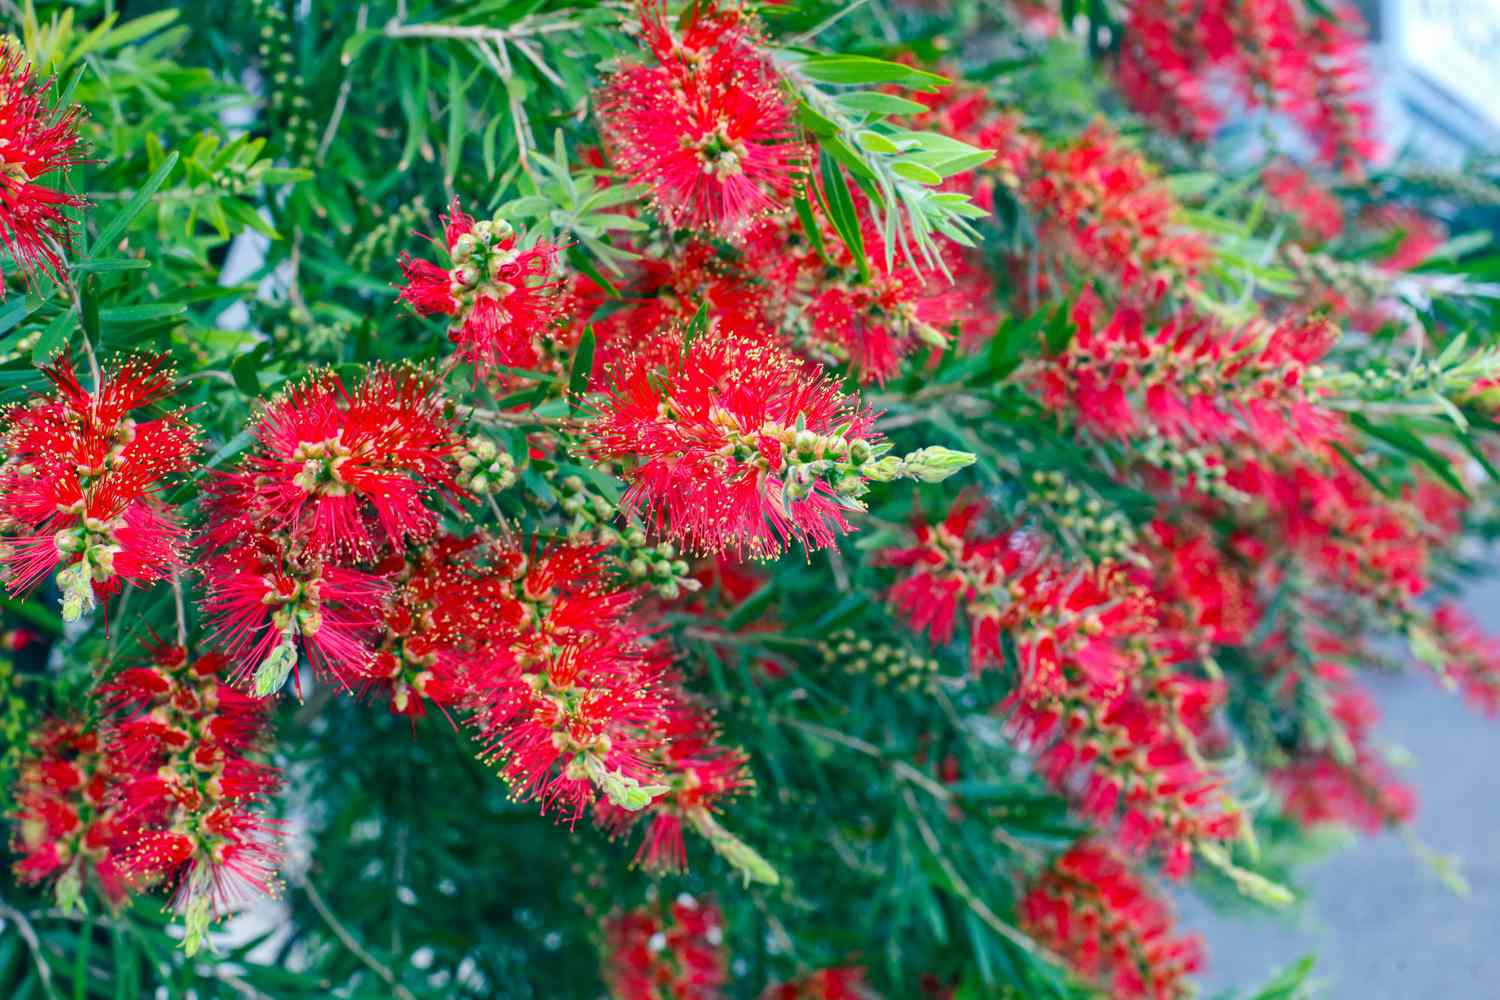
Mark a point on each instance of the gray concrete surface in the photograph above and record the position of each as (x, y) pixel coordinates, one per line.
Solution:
(1382, 925)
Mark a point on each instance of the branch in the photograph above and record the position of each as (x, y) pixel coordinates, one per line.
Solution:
(899, 768)
(181, 609)
(348, 941)
(527, 419)
(526, 27)
(971, 899)
(343, 99)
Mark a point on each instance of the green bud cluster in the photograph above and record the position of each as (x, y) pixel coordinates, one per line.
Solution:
(885, 663)
(1349, 279)
(90, 550)
(478, 258)
(14, 717)
(846, 464)
(384, 239)
(285, 88)
(1453, 373)
(234, 177)
(484, 468)
(1478, 190)
(932, 464)
(296, 330)
(657, 565)
(1107, 535)
(1189, 464)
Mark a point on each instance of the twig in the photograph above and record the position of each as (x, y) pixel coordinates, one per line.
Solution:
(34, 943)
(977, 906)
(88, 350)
(181, 609)
(213, 373)
(524, 28)
(348, 941)
(900, 768)
(294, 278)
(827, 22)
(343, 99)
(527, 419)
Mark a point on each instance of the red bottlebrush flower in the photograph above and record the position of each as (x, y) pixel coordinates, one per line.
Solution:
(952, 569)
(826, 984)
(699, 774)
(1201, 596)
(1319, 790)
(1342, 529)
(346, 474)
(1189, 379)
(876, 322)
(675, 954)
(1101, 209)
(1310, 64)
(707, 127)
(79, 484)
(269, 600)
(444, 626)
(1097, 697)
(35, 140)
(1471, 657)
(495, 290)
(67, 815)
(189, 792)
(1420, 234)
(738, 445)
(576, 707)
(1318, 213)
(1349, 784)
(1114, 932)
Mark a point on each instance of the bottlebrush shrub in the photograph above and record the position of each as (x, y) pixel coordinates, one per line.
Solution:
(826, 508)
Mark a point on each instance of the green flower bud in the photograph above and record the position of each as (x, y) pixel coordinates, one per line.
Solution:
(277, 667)
(935, 463)
(621, 789)
(883, 471)
(77, 586)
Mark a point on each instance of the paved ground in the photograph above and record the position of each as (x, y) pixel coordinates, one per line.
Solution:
(1383, 927)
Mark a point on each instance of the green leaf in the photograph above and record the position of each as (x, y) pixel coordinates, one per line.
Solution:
(454, 147)
(583, 367)
(123, 219)
(144, 313)
(810, 226)
(111, 265)
(873, 102)
(1288, 984)
(14, 312)
(914, 171)
(750, 608)
(864, 70)
(53, 337)
(245, 370)
(697, 328)
(877, 143)
(355, 44)
(1405, 441)
(840, 205)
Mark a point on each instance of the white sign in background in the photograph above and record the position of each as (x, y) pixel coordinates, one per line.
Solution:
(1454, 44)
